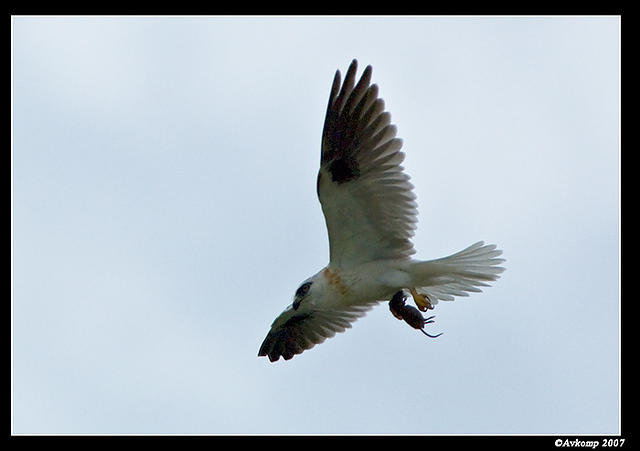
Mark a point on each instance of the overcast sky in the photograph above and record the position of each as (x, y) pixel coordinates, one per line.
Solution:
(164, 212)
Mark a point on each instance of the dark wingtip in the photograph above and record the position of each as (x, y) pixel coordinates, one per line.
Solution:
(264, 348)
(354, 65)
(264, 353)
(367, 71)
(273, 348)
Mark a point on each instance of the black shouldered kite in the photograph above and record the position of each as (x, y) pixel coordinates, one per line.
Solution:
(371, 214)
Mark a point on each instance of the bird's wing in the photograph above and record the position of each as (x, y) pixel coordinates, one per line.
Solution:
(366, 198)
(303, 331)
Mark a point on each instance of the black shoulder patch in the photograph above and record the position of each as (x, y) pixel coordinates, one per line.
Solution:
(347, 107)
(343, 169)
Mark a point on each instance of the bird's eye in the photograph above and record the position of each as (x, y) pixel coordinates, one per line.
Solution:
(301, 293)
(303, 290)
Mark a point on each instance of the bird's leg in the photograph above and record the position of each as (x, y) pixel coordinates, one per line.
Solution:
(422, 300)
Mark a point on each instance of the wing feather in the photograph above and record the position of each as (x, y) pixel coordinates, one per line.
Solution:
(366, 196)
(304, 331)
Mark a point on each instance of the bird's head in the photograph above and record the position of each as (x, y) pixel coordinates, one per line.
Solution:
(309, 319)
(304, 298)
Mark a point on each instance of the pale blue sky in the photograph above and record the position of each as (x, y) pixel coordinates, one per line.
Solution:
(164, 212)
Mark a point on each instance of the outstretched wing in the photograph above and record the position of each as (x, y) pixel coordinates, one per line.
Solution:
(293, 334)
(367, 199)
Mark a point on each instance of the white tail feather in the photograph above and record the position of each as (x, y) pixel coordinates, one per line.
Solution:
(458, 274)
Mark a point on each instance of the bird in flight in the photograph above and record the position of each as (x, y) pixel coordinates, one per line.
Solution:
(371, 213)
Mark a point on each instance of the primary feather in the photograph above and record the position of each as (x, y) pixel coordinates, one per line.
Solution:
(367, 199)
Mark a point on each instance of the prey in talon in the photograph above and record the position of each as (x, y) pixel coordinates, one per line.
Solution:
(409, 313)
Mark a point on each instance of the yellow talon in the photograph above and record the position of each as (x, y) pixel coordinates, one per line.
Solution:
(421, 300)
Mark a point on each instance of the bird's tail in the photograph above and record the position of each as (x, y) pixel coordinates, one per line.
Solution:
(457, 274)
